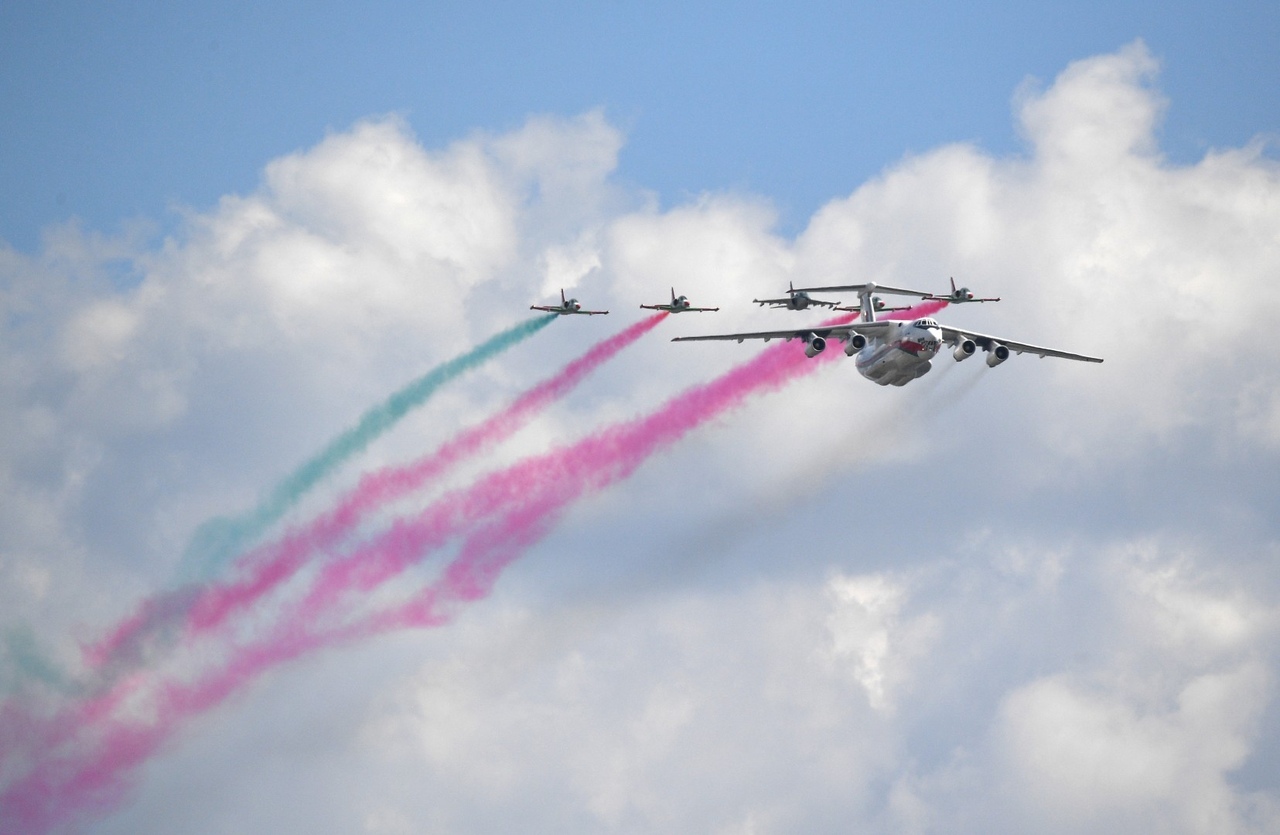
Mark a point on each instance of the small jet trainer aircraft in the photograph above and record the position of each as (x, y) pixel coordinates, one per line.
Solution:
(877, 304)
(897, 352)
(960, 295)
(567, 306)
(679, 304)
(795, 300)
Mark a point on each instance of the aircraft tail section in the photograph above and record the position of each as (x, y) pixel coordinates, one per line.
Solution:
(867, 305)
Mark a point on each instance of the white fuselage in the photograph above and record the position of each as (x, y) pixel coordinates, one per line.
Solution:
(902, 354)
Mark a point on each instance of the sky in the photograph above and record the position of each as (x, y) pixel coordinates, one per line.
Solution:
(722, 588)
(124, 111)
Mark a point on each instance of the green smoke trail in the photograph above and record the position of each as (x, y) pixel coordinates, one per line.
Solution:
(218, 540)
(23, 661)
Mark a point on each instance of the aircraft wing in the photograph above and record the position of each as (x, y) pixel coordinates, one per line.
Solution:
(591, 312)
(545, 308)
(772, 301)
(872, 286)
(879, 310)
(699, 309)
(952, 336)
(954, 300)
(826, 332)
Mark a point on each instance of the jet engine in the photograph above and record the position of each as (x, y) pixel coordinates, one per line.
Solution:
(855, 344)
(814, 345)
(965, 349)
(996, 354)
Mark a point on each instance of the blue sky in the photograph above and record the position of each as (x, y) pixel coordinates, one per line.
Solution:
(1039, 597)
(123, 110)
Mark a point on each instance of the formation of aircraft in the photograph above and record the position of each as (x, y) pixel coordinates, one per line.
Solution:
(679, 304)
(567, 307)
(896, 352)
(888, 352)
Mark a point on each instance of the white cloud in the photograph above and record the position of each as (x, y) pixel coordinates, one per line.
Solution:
(1100, 114)
(566, 265)
(867, 634)
(740, 709)
(1081, 759)
(1152, 738)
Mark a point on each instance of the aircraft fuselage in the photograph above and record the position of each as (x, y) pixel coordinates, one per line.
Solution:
(902, 355)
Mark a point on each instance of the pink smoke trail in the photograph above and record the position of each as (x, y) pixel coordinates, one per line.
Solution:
(534, 492)
(202, 610)
(270, 565)
(551, 481)
(67, 785)
(529, 494)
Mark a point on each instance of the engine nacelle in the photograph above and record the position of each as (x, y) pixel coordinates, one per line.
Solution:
(996, 354)
(814, 345)
(855, 344)
(965, 348)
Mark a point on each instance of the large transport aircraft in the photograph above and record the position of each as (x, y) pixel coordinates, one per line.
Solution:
(679, 304)
(567, 307)
(893, 353)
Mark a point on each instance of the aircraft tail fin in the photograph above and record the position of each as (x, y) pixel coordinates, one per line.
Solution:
(867, 304)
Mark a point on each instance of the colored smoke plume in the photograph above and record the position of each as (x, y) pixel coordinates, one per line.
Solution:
(267, 567)
(219, 540)
(502, 515)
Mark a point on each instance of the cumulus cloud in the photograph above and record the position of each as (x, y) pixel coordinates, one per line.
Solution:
(1151, 735)
(1032, 597)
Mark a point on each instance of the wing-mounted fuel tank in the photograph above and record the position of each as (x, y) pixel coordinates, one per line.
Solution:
(996, 354)
(855, 343)
(814, 345)
(965, 348)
